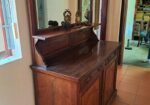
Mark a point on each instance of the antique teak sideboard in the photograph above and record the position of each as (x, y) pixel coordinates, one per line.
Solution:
(71, 67)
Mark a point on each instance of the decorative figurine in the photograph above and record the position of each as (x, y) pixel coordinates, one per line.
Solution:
(78, 18)
(67, 16)
(67, 19)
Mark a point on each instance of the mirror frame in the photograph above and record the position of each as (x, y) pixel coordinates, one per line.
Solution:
(33, 17)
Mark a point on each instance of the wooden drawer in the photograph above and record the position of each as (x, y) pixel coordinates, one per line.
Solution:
(111, 57)
(88, 79)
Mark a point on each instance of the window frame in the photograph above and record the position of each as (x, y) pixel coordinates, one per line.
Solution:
(9, 26)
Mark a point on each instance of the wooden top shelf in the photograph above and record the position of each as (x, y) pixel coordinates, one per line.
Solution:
(60, 32)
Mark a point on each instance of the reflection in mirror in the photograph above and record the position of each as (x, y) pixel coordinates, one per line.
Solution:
(86, 10)
(50, 12)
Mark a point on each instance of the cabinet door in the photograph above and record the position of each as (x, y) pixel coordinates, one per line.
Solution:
(109, 82)
(91, 96)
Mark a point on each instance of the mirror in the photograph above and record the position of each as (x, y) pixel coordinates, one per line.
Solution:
(86, 11)
(50, 12)
(43, 12)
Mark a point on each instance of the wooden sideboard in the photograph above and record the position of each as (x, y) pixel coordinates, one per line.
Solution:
(73, 68)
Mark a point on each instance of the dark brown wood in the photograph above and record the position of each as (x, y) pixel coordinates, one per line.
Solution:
(55, 42)
(82, 75)
(104, 19)
(91, 11)
(109, 86)
(32, 16)
(122, 30)
(32, 26)
(71, 67)
(54, 91)
(91, 96)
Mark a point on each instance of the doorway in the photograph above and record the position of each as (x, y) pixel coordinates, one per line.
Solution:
(134, 49)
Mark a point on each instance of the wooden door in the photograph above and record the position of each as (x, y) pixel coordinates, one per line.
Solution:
(104, 19)
(91, 96)
(122, 30)
(109, 82)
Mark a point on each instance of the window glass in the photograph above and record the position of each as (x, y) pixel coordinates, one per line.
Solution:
(10, 48)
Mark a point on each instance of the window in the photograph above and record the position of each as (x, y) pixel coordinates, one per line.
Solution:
(10, 48)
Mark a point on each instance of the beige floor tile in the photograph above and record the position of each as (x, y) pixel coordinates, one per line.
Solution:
(122, 72)
(120, 77)
(131, 80)
(146, 76)
(144, 91)
(123, 67)
(135, 73)
(123, 86)
(117, 84)
(130, 67)
(133, 84)
(141, 100)
(116, 102)
(145, 83)
(125, 97)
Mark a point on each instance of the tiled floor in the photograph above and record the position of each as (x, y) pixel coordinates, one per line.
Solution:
(133, 84)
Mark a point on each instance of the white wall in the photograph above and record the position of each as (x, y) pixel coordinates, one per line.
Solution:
(16, 81)
(130, 19)
(55, 9)
(113, 20)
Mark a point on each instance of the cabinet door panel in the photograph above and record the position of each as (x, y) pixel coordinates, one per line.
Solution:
(91, 96)
(109, 84)
(54, 91)
(100, 88)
